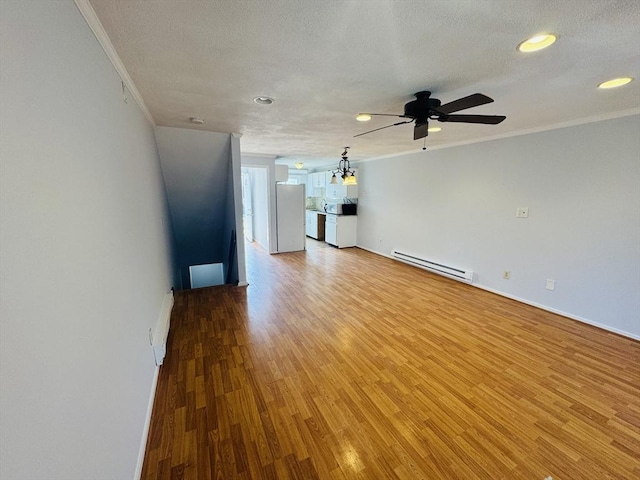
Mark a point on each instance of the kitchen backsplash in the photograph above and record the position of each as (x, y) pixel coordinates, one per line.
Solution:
(318, 203)
(314, 203)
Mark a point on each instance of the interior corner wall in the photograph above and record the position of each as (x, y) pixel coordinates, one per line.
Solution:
(84, 252)
(230, 237)
(270, 165)
(259, 197)
(233, 234)
(457, 206)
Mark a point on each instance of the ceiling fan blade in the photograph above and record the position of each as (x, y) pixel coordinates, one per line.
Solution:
(420, 131)
(383, 114)
(463, 103)
(382, 128)
(486, 119)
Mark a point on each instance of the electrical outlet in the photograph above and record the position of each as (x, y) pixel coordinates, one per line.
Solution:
(550, 285)
(522, 212)
(506, 274)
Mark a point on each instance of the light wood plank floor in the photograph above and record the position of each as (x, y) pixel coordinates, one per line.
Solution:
(340, 364)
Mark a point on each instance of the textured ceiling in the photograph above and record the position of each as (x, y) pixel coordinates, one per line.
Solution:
(325, 61)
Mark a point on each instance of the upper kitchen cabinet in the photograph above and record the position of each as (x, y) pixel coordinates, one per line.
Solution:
(337, 190)
(316, 182)
(319, 180)
(319, 185)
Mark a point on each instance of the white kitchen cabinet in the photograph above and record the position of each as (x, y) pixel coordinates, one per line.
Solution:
(315, 225)
(340, 230)
(316, 182)
(319, 180)
(340, 191)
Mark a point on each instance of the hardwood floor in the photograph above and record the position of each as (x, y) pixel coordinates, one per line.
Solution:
(340, 364)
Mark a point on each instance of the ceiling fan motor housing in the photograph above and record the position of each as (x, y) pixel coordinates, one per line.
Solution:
(424, 108)
(421, 108)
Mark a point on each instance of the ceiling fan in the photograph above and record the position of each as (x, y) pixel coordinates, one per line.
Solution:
(425, 108)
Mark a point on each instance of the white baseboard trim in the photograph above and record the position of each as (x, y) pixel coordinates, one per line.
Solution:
(560, 312)
(243, 284)
(537, 305)
(147, 425)
(376, 252)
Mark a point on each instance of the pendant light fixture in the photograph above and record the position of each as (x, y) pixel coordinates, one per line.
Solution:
(344, 171)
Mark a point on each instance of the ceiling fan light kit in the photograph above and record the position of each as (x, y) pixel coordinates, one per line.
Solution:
(425, 108)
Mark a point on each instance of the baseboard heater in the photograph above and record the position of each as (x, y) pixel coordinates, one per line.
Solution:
(161, 332)
(465, 276)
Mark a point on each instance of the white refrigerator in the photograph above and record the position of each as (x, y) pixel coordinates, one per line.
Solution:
(290, 217)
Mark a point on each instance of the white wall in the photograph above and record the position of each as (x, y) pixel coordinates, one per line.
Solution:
(582, 187)
(236, 271)
(259, 198)
(84, 255)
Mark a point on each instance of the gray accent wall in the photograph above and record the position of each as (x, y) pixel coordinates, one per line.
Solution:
(458, 206)
(198, 176)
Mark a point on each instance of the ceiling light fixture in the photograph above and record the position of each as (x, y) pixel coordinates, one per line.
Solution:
(298, 165)
(344, 170)
(196, 121)
(616, 82)
(434, 129)
(363, 117)
(537, 42)
(263, 100)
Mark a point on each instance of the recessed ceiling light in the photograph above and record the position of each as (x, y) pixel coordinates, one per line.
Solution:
(616, 82)
(363, 117)
(263, 100)
(434, 129)
(196, 121)
(537, 42)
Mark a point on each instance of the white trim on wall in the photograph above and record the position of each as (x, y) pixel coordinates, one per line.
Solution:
(527, 302)
(147, 426)
(98, 30)
(460, 206)
(517, 133)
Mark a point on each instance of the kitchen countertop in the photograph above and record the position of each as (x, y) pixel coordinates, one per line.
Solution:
(322, 212)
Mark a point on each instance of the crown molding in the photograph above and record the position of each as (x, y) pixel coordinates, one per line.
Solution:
(99, 32)
(529, 131)
(259, 155)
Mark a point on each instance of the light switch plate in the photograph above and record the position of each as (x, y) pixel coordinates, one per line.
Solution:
(550, 285)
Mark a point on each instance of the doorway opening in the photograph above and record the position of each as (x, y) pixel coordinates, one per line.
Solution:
(255, 205)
